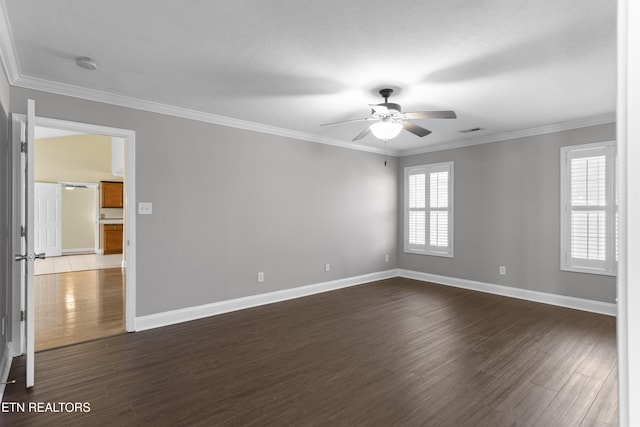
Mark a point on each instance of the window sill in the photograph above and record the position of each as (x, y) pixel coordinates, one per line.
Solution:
(589, 271)
(408, 251)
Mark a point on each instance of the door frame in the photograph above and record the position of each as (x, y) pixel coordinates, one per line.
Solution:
(130, 218)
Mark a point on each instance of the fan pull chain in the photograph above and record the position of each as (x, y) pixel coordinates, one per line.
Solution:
(385, 152)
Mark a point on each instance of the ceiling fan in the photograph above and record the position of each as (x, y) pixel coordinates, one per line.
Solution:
(390, 120)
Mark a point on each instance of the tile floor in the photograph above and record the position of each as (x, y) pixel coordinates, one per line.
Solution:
(67, 263)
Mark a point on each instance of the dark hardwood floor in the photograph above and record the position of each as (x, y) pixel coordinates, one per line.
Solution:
(78, 306)
(391, 353)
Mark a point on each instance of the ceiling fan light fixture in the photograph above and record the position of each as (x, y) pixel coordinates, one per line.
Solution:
(386, 129)
(390, 120)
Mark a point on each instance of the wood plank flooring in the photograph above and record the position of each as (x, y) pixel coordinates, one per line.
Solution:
(390, 353)
(78, 306)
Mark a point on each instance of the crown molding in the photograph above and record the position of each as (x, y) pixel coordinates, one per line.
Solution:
(160, 108)
(540, 130)
(7, 48)
(156, 107)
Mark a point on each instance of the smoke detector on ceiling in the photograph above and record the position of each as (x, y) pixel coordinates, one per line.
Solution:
(87, 63)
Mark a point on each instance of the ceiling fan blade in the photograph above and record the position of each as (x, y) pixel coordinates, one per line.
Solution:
(431, 115)
(348, 121)
(380, 109)
(415, 129)
(362, 134)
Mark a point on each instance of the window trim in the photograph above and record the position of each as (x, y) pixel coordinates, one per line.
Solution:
(609, 266)
(429, 168)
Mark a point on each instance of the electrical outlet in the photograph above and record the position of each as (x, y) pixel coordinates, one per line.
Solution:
(503, 270)
(261, 277)
(386, 258)
(327, 267)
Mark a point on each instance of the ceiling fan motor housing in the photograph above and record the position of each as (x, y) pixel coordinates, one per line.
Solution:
(392, 106)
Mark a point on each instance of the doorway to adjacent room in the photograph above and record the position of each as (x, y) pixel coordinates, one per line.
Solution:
(79, 225)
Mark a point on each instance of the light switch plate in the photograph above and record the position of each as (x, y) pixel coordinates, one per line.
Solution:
(145, 208)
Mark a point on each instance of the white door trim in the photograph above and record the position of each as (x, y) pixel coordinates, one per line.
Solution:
(628, 132)
(130, 199)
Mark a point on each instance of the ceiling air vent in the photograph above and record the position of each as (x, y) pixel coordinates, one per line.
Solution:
(87, 63)
(470, 130)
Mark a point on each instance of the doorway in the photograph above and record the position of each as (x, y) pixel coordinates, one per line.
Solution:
(80, 285)
(124, 270)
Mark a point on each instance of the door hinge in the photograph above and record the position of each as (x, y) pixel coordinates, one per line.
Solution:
(22, 316)
(23, 147)
(22, 231)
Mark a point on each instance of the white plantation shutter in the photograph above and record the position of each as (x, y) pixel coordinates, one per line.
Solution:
(429, 209)
(438, 228)
(439, 209)
(417, 205)
(588, 207)
(417, 230)
(588, 235)
(589, 218)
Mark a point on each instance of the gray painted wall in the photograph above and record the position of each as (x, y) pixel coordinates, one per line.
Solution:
(223, 196)
(507, 212)
(228, 203)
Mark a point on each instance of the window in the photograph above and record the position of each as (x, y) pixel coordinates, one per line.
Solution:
(428, 220)
(589, 216)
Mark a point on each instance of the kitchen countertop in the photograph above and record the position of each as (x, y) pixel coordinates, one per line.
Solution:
(111, 221)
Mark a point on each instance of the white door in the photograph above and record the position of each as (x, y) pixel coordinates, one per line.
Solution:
(47, 233)
(27, 256)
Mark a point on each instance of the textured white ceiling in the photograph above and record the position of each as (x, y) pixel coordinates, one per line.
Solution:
(503, 65)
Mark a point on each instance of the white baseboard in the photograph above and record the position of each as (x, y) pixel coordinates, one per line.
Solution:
(525, 294)
(198, 312)
(79, 251)
(192, 313)
(5, 366)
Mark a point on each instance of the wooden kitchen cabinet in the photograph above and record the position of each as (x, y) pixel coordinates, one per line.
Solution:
(112, 238)
(111, 194)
